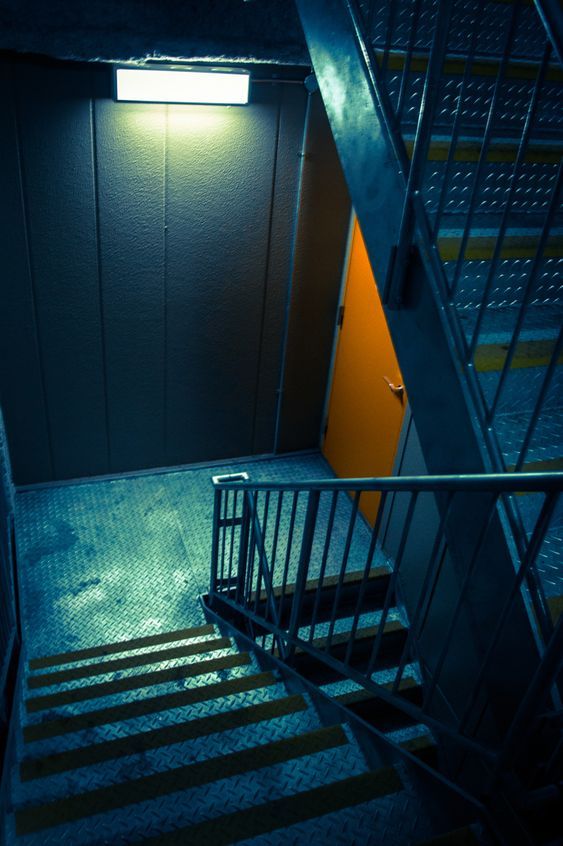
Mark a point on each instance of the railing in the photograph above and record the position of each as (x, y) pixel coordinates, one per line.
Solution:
(429, 43)
(420, 61)
(278, 546)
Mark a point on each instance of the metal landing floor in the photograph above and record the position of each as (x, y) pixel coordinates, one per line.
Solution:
(114, 559)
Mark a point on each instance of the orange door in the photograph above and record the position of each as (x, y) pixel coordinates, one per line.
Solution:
(364, 414)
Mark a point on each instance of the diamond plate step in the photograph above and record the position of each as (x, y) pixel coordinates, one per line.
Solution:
(96, 691)
(322, 596)
(151, 705)
(137, 743)
(131, 661)
(481, 247)
(392, 645)
(285, 812)
(138, 790)
(120, 646)
(379, 713)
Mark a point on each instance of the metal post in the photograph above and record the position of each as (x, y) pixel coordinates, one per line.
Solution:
(303, 566)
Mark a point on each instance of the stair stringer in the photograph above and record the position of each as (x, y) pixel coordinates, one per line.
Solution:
(443, 406)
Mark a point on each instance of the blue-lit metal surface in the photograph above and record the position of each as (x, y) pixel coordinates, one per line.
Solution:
(252, 586)
(117, 559)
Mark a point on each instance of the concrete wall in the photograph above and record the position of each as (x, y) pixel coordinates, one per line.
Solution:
(146, 255)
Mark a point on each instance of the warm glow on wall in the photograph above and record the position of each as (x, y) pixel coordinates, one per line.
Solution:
(182, 85)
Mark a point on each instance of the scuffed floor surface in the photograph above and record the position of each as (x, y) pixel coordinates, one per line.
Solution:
(116, 559)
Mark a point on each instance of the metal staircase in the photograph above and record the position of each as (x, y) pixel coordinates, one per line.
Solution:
(378, 619)
(189, 737)
(447, 118)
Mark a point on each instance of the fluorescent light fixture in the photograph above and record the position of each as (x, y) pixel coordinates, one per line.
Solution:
(182, 85)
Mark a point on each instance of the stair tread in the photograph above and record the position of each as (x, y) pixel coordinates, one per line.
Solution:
(481, 247)
(353, 577)
(104, 799)
(499, 151)
(96, 753)
(139, 659)
(455, 66)
(285, 812)
(142, 707)
(532, 353)
(119, 646)
(354, 696)
(109, 688)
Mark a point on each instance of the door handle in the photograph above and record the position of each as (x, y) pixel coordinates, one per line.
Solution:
(398, 390)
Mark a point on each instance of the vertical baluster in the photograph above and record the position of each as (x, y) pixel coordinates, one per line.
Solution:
(520, 156)
(534, 546)
(288, 553)
(343, 565)
(243, 548)
(393, 288)
(530, 288)
(232, 543)
(303, 566)
(390, 595)
(215, 540)
(253, 504)
(456, 126)
(261, 559)
(426, 591)
(546, 383)
(433, 681)
(365, 576)
(276, 537)
(223, 540)
(392, 7)
(408, 61)
(324, 559)
(491, 117)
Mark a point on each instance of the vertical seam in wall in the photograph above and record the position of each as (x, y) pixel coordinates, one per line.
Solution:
(165, 284)
(31, 272)
(267, 265)
(94, 147)
(291, 272)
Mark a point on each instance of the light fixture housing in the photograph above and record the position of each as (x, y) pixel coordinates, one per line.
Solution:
(182, 84)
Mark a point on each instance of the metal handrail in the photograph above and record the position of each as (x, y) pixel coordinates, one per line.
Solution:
(249, 582)
(494, 482)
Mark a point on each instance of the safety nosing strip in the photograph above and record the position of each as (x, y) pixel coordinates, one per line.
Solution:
(513, 247)
(470, 151)
(491, 357)
(128, 663)
(555, 605)
(547, 465)
(456, 67)
(152, 705)
(150, 787)
(282, 813)
(354, 577)
(119, 646)
(172, 674)
(134, 744)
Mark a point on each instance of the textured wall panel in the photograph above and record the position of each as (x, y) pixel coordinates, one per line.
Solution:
(55, 120)
(130, 141)
(220, 167)
(321, 242)
(21, 384)
(292, 103)
(148, 253)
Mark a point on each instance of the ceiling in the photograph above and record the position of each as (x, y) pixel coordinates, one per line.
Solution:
(101, 30)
